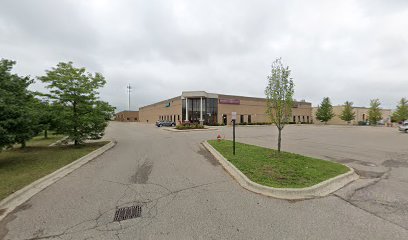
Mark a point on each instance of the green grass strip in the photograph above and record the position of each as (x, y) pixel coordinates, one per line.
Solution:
(20, 167)
(280, 170)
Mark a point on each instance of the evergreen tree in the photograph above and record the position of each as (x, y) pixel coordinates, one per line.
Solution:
(81, 115)
(325, 111)
(374, 113)
(348, 114)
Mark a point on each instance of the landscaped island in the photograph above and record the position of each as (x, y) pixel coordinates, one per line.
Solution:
(285, 170)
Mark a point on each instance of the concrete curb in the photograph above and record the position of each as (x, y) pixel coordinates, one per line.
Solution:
(190, 130)
(319, 190)
(19, 197)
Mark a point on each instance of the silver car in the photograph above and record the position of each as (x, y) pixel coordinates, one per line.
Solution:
(404, 127)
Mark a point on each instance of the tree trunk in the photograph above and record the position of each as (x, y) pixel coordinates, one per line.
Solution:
(23, 144)
(279, 139)
(76, 142)
(45, 133)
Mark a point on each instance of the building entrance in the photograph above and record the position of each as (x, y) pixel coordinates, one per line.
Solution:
(197, 109)
(224, 119)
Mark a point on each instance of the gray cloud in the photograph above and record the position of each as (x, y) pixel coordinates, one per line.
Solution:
(348, 50)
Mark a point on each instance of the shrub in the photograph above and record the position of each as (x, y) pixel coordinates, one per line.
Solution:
(362, 123)
(185, 126)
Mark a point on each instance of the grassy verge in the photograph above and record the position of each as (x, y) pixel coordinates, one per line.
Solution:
(20, 167)
(285, 170)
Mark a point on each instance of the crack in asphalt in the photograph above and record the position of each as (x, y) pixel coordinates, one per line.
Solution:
(354, 202)
(372, 213)
(151, 212)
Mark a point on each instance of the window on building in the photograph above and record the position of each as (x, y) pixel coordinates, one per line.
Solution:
(307, 119)
(303, 118)
(128, 119)
(294, 118)
(241, 120)
(135, 119)
(298, 118)
(249, 119)
(178, 117)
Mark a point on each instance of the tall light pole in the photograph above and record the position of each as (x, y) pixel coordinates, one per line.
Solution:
(129, 88)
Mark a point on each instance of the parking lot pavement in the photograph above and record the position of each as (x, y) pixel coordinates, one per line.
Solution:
(185, 194)
(378, 154)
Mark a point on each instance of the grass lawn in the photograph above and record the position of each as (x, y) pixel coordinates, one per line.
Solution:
(20, 167)
(41, 141)
(285, 170)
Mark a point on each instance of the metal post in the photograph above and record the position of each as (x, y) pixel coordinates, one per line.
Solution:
(129, 88)
(186, 109)
(233, 137)
(201, 111)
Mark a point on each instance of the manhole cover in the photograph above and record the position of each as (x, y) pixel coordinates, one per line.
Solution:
(127, 213)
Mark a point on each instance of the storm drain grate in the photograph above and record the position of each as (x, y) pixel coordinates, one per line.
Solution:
(128, 213)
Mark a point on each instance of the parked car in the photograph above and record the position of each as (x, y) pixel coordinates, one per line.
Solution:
(165, 124)
(404, 127)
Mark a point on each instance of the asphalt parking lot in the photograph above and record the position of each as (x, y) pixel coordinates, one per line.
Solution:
(378, 154)
(185, 194)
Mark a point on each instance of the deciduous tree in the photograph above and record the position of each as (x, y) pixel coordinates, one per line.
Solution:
(348, 113)
(279, 94)
(74, 92)
(18, 123)
(401, 113)
(374, 112)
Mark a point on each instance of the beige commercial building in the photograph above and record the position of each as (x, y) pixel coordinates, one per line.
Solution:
(127, 116)
(212, 109)
(361, 116)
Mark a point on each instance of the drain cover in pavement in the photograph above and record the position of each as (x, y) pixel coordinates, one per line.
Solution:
(128, 213)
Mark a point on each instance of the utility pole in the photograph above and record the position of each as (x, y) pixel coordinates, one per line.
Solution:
(129, 88)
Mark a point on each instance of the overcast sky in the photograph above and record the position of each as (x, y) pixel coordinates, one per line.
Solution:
(353, 50)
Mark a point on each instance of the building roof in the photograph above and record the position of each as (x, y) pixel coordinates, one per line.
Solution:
(189, 94)
(126, 111)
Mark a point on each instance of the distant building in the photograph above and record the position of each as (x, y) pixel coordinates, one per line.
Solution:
(361, 116)
(127, 116)
(213, 108)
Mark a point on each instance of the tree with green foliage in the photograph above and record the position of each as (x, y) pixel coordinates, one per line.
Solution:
(279, 94)
(374, 112)
(325, 110)
(401, 113)
(18, 122)
(73, 91)
(348, 113)
(46, 115)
